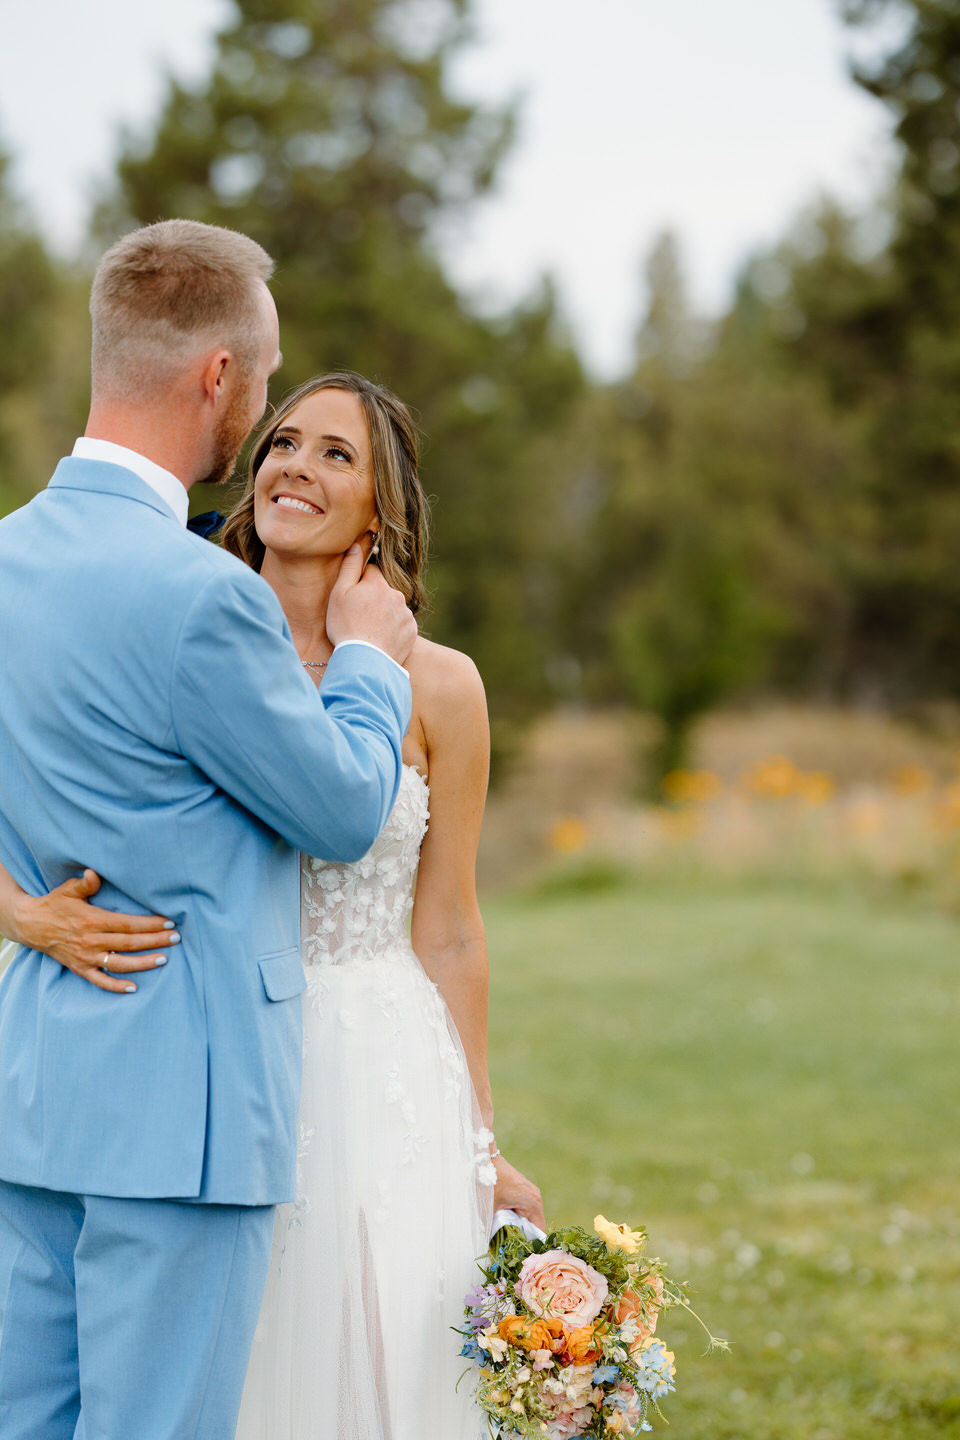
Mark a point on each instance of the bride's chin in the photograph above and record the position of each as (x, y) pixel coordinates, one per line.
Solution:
(285, 549)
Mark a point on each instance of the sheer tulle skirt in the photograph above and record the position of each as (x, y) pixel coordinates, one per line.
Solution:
(371, 1263)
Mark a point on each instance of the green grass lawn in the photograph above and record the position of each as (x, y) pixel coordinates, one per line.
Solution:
(766, 1078)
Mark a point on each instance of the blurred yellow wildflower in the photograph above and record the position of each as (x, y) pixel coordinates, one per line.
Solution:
(911, 779)
(568, 835)
(774, 777)
(698, 787)
(947, 811)
(815, 787)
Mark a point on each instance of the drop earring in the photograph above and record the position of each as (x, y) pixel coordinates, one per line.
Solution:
(375, 549)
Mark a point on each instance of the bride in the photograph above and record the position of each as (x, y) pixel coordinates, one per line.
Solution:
(398, 1171)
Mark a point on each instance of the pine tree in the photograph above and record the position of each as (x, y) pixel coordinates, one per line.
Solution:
(28, 291)
(891, 322)
(327, 132)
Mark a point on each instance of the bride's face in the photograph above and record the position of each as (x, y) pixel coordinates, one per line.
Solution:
(313, 494)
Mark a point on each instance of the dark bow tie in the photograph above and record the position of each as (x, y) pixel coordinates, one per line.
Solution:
(207, 524)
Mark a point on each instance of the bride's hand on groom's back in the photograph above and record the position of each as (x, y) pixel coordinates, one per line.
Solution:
(364, 607)
(513, 1191)
(91, 941)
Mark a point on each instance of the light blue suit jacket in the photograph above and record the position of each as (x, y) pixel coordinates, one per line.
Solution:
(155, 724)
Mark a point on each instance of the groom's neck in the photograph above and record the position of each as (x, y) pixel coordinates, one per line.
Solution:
(157, 432)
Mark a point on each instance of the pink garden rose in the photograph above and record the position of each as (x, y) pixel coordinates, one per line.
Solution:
(569, 1423)
(556, 1283)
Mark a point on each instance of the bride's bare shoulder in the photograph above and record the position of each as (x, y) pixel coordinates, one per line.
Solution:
(446, 683)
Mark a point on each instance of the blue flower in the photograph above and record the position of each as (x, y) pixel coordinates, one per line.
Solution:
(605, 1373)
(471, 1351)
(656, 1370)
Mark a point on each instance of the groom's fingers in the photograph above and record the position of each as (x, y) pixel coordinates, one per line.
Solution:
(364, 607)
(351, 568)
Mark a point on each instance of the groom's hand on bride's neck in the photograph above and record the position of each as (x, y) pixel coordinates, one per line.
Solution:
(364, 607)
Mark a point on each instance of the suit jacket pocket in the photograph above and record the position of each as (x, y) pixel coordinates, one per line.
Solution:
(282, 974)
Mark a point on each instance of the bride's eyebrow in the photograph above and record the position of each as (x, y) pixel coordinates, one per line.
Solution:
(339, 440)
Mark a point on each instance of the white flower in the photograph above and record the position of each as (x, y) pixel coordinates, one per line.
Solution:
(493, 1342)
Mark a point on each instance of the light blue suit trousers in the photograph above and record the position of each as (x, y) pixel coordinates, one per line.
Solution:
(126, 1317)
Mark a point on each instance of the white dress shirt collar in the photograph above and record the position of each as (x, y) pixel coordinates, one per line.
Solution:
(165, 484)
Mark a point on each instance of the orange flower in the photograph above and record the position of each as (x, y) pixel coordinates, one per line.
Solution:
(528, 1334)
(581, 1345)
(516, 1331)
(642, 1309)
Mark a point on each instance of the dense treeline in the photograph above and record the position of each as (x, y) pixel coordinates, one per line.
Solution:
(769, 502)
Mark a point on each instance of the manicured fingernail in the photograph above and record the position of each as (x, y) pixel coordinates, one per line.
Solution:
(130, 989)
(354, 549)
(160, 960)
(168, 925)
(175, 938)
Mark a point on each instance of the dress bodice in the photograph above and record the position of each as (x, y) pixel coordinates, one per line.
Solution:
(357, 912)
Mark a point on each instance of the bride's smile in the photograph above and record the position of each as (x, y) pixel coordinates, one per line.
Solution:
(295, 502)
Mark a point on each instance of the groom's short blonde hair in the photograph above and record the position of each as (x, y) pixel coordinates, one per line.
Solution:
(165, 293)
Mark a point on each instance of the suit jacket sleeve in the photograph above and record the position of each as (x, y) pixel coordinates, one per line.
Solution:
(321, 771)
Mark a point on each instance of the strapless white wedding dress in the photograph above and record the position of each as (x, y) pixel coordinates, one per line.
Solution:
(394, 1186)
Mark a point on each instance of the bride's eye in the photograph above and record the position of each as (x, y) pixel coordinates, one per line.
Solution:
(281, 442)
(338, 453)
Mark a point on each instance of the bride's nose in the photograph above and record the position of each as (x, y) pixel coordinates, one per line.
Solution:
(292, 466)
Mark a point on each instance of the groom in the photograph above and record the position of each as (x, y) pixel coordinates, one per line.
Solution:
(156, 725)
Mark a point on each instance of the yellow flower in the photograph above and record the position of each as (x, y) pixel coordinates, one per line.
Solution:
(568, 835)
(696, 787)
(911, 779)
(617, 1237)
(774, 777)
(815, 787)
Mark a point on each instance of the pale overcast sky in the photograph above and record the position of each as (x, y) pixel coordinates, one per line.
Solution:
(717, 118)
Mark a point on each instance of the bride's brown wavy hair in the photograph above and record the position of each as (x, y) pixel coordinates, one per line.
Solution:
(398, 496)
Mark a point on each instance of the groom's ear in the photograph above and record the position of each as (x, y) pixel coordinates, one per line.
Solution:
(213, 375)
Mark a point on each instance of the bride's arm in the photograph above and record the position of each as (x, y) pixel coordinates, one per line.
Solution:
(78, 935)
(447, 929)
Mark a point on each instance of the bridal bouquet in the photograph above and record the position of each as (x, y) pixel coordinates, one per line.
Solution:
(562, 1330)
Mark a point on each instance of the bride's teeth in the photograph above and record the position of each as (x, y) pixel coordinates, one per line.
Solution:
(288, 502)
